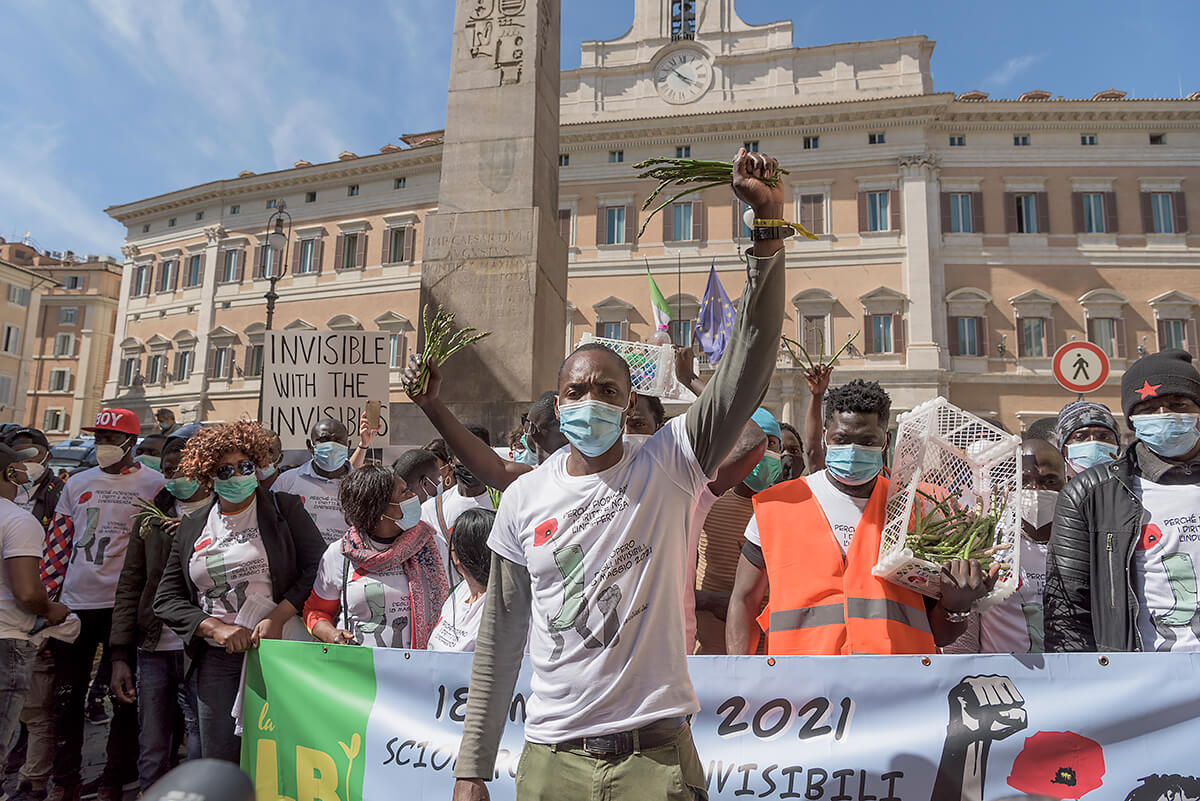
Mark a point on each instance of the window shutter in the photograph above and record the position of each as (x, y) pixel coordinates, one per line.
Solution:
(1020, 337)
(818, 216)
(1091, 331)
(601, 227)
(1147, 199)
(1179, 204)
(1076, 212)
(981, 328)
(868, 333)
(247, 361)
(599, 327)
(946, 217)
(1049, 340)
(1192, 345)
(176, 269)
(155, 275)
(564, 225)
(296, 257)
(339, 250)
(698, 226)
(318, 253)
(977, 212)
(897, 333)
(1010, 212)
(668, 223)
(1119, 337)
(212, 363)
(625, 326)
(385, 257)
(862, 211)
(361, 260)
(894, 209)
(260, 257)
(1043, 212)
(630, 224)
(1161, 329)
(410, 237)
(241, 265)
(952, 331)
(203, 267)
(1110, 213)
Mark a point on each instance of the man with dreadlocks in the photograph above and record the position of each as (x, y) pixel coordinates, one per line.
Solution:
(814, 541)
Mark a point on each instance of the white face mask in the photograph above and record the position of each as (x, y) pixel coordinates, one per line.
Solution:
(109, 455)
(1037, 507)
(34, 472)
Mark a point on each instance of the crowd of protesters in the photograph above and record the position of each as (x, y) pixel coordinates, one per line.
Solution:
(161, 567)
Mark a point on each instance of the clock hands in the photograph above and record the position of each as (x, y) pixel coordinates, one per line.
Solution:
(683, 77)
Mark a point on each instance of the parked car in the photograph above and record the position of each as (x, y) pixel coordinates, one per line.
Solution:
(73, 455)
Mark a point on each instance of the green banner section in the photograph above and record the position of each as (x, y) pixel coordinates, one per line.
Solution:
(305, 719)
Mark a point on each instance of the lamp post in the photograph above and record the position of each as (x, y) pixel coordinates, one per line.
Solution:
(275, 231)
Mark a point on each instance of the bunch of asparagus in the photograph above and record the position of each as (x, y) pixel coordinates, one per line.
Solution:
(820, 363)
(683, 172)
(146, 516)
(943, 531)
(440, 344)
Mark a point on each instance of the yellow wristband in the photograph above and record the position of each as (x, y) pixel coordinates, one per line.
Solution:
(800, 229)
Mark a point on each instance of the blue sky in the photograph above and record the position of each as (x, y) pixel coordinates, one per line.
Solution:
(110, 101)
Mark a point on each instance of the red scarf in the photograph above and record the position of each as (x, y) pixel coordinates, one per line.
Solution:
(415, 549)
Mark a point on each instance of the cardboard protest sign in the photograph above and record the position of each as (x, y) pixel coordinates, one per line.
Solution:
(310, 375)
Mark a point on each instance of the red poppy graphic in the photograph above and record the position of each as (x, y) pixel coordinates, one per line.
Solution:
(1058, 764)
(202, 544)
(85, 497)
(1151, 536)
(544, 531)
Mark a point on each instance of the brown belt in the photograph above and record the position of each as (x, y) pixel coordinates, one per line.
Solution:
(623, 743)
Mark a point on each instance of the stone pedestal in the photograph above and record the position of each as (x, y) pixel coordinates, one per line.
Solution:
(493, 255)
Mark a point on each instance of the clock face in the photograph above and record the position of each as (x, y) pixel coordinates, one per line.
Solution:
(683, 76)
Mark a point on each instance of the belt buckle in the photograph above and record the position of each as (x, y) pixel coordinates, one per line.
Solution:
(609, 745)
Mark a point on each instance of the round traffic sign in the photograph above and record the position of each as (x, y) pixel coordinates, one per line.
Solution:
(1080, 367)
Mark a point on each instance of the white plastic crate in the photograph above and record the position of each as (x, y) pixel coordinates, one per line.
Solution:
(946, 452)
(651, 366)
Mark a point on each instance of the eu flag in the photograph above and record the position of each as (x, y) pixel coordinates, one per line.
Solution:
(714, 325)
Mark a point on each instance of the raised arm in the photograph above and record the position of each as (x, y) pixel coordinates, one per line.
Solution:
(746, 453)
(473, 452)
(715, 420)
(741, 621)
(814, 424)
(685, 370)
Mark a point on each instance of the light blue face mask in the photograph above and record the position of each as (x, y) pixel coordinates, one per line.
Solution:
(410, 513)
(591, 426)
(182, 488)
(766, 472)
(153, 462)
(268, 471)
(330, 456)
(853, 465)
(1082, 455)
(1170, 435)
(236, 489)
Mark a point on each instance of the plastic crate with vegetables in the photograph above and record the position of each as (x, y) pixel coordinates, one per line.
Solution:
(954, 494)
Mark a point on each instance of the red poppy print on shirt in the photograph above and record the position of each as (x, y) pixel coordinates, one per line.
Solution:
(545, 531)
(85, 497)
(1151, 536)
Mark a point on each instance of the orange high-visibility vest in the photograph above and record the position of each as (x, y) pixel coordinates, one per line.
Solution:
(821, 602)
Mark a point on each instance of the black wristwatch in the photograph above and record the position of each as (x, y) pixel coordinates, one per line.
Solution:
(775, 232)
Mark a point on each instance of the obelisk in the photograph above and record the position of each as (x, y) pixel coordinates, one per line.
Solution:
(493, 254)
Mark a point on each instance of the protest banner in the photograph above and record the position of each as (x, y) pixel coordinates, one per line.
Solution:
(344, 723)
(310, 375)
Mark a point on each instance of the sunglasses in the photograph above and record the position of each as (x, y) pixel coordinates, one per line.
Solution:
(243, 468)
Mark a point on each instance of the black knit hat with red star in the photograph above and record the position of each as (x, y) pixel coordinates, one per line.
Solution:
(1168, 372)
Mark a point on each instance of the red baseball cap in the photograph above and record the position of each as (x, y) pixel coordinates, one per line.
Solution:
(121, 420)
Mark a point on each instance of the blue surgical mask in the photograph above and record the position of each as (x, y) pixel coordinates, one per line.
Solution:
(268, 471)
(330, 456)
(853, 465)
(592, 426)
(1170, 435)
(1082, 455)
(410, 509)
(527, 457)
(153, 462)
(236, 489)
(766, 472)
(182, 488)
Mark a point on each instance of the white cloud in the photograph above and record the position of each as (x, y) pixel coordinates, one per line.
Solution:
(37, 198)
(1010, 70)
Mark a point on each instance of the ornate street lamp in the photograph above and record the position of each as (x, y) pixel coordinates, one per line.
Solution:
(276, 232)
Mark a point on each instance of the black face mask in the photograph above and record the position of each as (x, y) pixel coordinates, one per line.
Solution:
(788, 462)
(465, 477)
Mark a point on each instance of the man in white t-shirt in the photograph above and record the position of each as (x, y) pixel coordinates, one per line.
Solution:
(317, 481)
(24, 605)
(593, 543)
(95, 514)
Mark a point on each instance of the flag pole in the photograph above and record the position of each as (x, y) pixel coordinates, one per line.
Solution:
(679, 293)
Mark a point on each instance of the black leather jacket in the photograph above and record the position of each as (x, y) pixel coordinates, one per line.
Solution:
(1090, 603)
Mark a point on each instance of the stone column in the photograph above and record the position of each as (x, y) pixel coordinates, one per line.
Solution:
(130, 252)
(84, 380)
(924, 282)
(493, 255)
